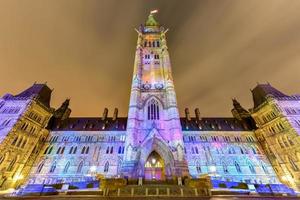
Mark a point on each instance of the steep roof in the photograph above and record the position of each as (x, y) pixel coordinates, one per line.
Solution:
(40, 91)
(120, 124)
(261, 91)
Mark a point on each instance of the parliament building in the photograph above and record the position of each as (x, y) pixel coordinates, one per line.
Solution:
(44, 145)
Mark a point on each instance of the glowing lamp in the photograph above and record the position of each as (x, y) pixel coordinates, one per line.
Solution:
(93, 168)
(213, 169)
(153, 161)
(18, 177)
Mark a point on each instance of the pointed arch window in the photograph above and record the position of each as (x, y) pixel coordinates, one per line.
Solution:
(2, 158)
(67, 167)
(153, 110)
(120, 150)
(111, 150)
(62, 150)
(252, 169)
(75, 150)
(71, 150)
(237, 167)
(53, 167)
(50, 150)
(83, 150)
(198, 168)
(58, 150)
(225, 168)
(12, 164)
(196, 150)
(293, 164)
(107, 150)
(87, 150)
(265, 168)
(106, 167)
(14, 141)
(40, 167)
(79, 169)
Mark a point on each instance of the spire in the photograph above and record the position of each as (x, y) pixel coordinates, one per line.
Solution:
(151, 20)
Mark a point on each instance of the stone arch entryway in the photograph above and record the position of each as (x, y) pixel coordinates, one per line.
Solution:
(155, 167)
(162, 166)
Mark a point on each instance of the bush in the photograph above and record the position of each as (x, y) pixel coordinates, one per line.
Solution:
(222, 185)
(57, 186)
(241, 186)
(72, 187)
(90, 185)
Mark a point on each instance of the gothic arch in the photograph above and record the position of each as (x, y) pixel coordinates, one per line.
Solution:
(149, 98)
(161, 148)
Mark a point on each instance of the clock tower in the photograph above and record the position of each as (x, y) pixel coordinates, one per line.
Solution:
(153, 128)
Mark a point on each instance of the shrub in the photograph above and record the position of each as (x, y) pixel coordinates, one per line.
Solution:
(57, 186)
(90, 185)
(72, 187)
(222, 185)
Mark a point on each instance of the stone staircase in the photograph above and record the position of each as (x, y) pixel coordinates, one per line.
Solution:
(156, 190)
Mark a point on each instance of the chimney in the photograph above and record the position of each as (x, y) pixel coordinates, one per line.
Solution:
(115, 116)
(105, 112)
(197, 114)
(187, 114)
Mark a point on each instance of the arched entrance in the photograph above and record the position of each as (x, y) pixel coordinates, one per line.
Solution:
(154, 167)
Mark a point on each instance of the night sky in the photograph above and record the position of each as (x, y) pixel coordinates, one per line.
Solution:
(85, 49)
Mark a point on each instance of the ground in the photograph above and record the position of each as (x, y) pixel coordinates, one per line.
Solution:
(61, 197)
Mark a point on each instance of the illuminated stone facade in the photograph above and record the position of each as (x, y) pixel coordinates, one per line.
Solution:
(153, 142)
(278, 118)
(23, 119)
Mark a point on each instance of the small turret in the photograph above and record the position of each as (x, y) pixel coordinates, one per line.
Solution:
(105, 113)
(197, 114)
(63, 112)
(115, 116)
(242, 114)
(187, 114)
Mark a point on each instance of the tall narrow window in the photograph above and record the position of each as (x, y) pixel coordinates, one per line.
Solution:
(52, 169)
(62, 150)
(2, 157)
(225, 168)
(83, 150)
(40, 167)
(111, 150)
(153, 110)
(12, 164)
(87, 150)
(293, 164)
(67, 167)
(237, 167)
(157, 43)
(265, 168)
(79, 169)
(252, 169)
(71, 150)
(75, 150)
(198, 168)
(106, 167)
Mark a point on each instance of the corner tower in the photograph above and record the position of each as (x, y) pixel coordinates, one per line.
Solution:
(153, 126)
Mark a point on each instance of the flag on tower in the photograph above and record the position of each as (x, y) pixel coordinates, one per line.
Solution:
(153, 11)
